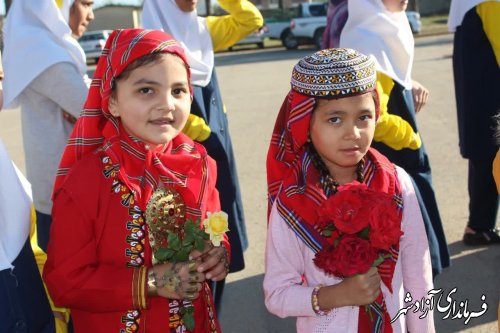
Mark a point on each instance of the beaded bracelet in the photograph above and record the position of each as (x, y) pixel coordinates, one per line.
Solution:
(315, 303)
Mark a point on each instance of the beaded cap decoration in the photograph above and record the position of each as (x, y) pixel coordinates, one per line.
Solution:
(334, 73)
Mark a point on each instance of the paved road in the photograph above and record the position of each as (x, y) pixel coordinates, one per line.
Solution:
(254, 84)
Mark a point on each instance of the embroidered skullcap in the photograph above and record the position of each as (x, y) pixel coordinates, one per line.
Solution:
(333, 73)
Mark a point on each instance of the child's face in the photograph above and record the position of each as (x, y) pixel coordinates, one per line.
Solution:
(80, 16)
(153, 102)
(342, 130)
(395, 6)
(187, 5)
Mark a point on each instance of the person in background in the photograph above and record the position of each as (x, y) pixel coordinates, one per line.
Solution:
(44, 76)
(326, 187)
(380, 28)
(129, 184)
(24, 303)
(201, 37)
(476, 69)
(27, 306)
(335, 21)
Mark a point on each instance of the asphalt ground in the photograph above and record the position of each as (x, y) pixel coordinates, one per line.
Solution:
(254, 84)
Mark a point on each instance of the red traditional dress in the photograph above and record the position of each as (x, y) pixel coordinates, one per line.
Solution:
(99, 251)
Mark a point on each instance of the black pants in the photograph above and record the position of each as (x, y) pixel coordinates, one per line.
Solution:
(43, 222)
(24, 307)
(483, 195)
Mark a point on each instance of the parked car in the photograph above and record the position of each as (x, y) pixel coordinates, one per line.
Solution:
(92, 42)
(281, 28)
(308, 29)
(414, 19)
(256, 37)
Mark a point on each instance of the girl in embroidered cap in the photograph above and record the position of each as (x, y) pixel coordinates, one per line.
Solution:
(126, 250)
(346, 243)
(380, 28)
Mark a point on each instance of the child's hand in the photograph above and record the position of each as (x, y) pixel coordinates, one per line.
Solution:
(214, 261)
(179, 280)
(358, 290)
(420, 95)
(363, 289)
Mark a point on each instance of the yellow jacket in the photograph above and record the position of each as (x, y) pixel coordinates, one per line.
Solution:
(391, 129)
(227, 30)
(489, 12)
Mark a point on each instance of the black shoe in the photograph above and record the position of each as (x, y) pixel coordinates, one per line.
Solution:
(482, 237)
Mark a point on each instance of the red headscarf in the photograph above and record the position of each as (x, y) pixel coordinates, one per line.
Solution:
(181, 163)
(294, 183)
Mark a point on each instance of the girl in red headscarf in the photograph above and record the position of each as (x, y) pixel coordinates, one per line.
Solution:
(123, 253)
(346, 249)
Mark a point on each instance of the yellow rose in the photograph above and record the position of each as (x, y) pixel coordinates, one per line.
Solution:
(216, 224)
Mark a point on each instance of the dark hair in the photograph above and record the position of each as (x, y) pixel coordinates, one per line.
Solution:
(144, 60)
(496, 128)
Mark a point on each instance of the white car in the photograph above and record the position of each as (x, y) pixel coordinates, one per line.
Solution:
(414, 19)
(257, 38)
(92, 42)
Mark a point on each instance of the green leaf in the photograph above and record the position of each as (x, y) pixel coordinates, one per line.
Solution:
(182, 255)
(188, 239)
(326, 233)
(174, 242)
(378, 261)
(162, 254)
(365, 233)
(190, 225)
(199, 244)
(188, 319)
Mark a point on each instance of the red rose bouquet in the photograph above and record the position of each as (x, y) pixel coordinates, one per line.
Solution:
(360, 226)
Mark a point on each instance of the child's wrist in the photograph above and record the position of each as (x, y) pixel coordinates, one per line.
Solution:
(315, 301)
(152, 284)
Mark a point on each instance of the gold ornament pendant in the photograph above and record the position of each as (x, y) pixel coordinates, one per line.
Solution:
(165, 214)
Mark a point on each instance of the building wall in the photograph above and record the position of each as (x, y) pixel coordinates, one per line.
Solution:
(432, 7)
(115, 17)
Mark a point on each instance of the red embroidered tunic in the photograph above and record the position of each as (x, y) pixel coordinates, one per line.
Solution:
(99, 254)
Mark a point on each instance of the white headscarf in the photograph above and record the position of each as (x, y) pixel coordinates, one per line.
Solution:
(36, 36)
(189, 30)
(373, 30)
(458, 9)
(15, 209)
